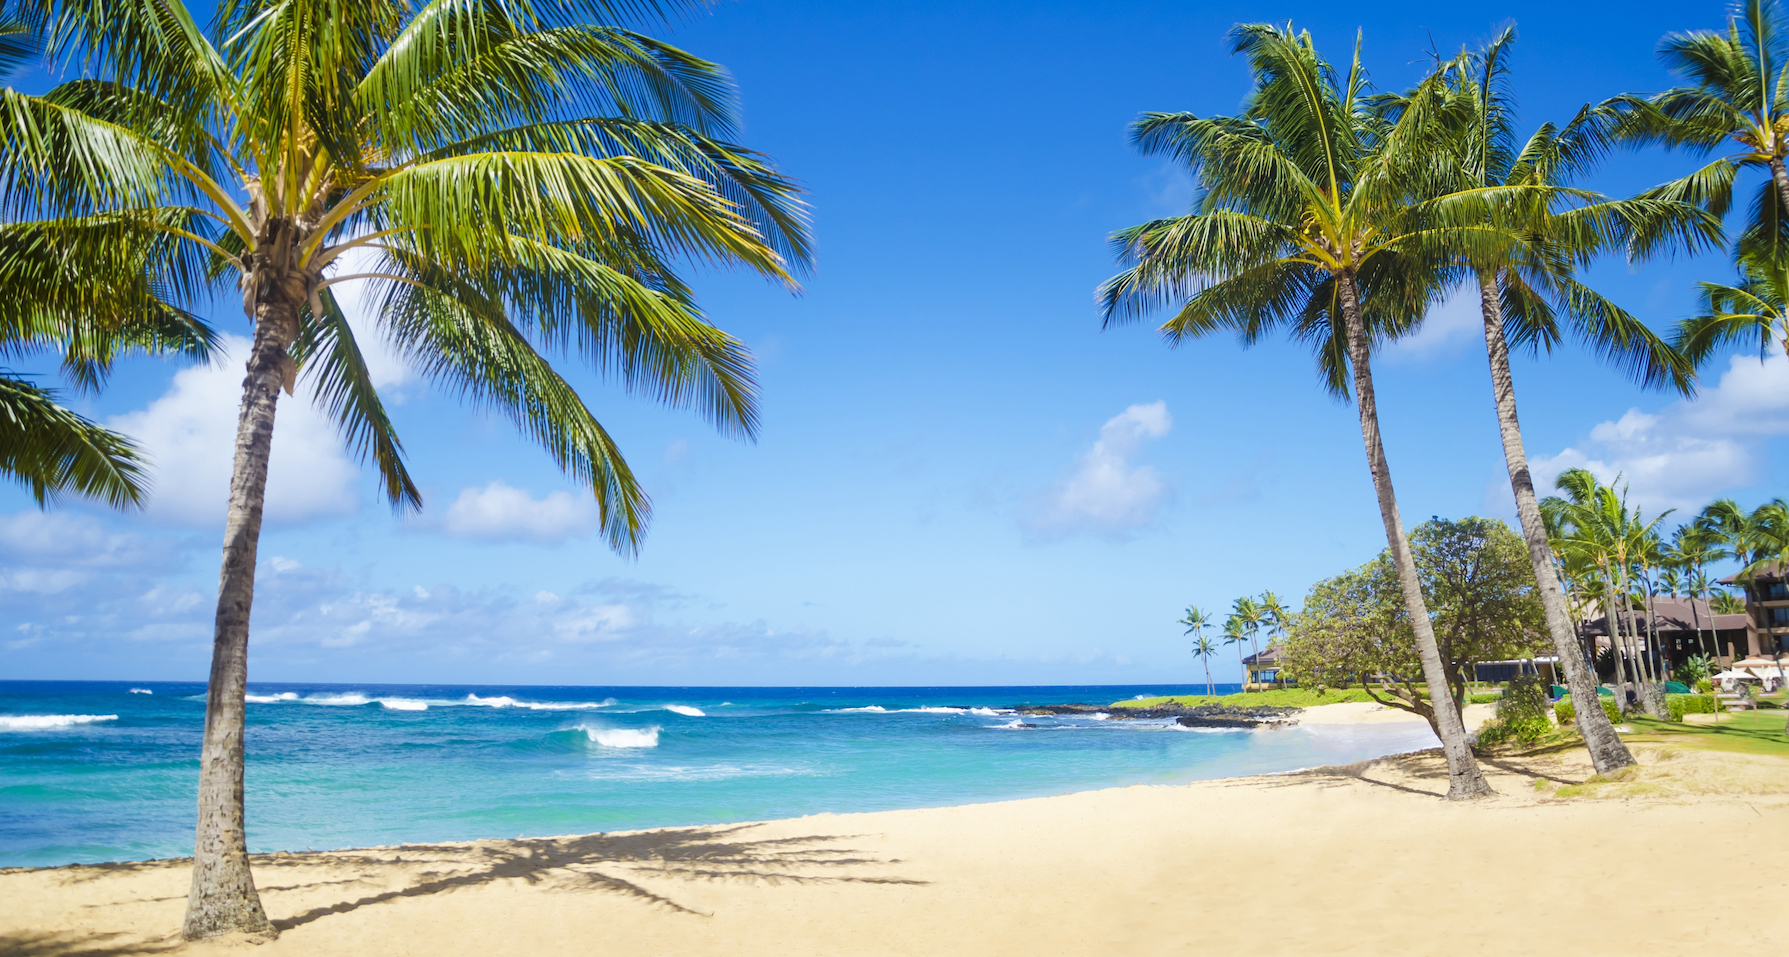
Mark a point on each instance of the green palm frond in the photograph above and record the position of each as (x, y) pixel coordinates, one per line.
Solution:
(54, 452)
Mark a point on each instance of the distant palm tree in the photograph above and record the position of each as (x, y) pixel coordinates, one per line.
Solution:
(1727, 603)
(1278, 619)
(1236, 634)
(514, 180)
(1195, 622)
(1320, 215)
(1692, 549)
(1251, 615)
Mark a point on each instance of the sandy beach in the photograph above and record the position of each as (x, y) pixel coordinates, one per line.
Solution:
(1330, 861)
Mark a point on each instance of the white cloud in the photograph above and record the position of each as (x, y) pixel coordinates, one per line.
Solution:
(1448, 329)
(190, 436)
(1108, 493)
(385, 366)
(1691, 451)
(500, 512)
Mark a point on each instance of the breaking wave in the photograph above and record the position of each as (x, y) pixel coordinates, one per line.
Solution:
(41, 722)
(264, 698)
(685, 709)
(141, 691)
(402, 704)
(505, 701)
(624, 737)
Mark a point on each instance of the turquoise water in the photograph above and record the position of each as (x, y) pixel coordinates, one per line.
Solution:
(102, 771)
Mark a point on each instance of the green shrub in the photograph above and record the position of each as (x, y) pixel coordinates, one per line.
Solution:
(1521, 713)
(1682, 704)
(1568, 714)
(1705, 686)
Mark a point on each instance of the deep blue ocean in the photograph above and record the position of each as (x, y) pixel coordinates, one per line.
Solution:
(105, 771)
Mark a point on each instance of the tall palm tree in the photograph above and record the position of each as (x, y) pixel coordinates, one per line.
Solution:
(1320, 215)
(1692, 549)
(1526, 292)
(1739, 95)
(514, 179)
(1195, 622)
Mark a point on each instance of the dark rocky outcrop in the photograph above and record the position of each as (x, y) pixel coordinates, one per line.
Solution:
(1201, 716)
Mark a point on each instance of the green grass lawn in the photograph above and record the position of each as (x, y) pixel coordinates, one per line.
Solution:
(1281, 698)
(1750, 732)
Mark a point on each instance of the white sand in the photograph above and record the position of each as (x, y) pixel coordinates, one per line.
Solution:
(1363, 860)
(1366, 712)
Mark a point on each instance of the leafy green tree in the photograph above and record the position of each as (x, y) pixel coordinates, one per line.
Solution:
(1529, 296)
(515, 180)
(1477, 581)
(1195, 622)
(1320, 215)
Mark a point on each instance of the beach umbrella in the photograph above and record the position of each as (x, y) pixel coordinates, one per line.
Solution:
(1735, 674)
(1755, 662)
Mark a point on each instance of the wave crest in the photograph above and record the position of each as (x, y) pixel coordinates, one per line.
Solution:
(41, 722)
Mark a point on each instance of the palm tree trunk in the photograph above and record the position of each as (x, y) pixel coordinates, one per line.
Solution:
(1780, 176)
(1607, 753)
(1612, 618)
(1465, 780)
(223, 898)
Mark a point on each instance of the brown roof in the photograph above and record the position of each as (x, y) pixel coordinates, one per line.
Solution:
(1673, 613)
(1772, 572)
(1269, 656)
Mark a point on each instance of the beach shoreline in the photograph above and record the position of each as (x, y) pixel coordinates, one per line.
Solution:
(1324, 860)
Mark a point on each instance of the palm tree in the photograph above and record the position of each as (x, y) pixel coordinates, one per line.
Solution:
(1195, 622)
(1692, 549)
(1526, 291)
(1740, 94)
(1236, 634)
(1277, 618)
(47, 448)
(1755, 310)
(513, 179)
(1320, 214)
(1250, 615)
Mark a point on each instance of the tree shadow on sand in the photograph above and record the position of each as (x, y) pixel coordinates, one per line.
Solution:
(85, 944)
(595, 862)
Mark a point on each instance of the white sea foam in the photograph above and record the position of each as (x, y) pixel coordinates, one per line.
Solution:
(624, 737)
(141, 691)
(685, 709)
(402, 704)
(346, 698)
(608, 772)
(505, 701)
(869, 709)
(264, 698)
(1014, 724)
(41, 722)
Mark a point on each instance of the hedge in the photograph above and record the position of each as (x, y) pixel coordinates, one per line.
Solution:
(1568, 714)
(1682, 704)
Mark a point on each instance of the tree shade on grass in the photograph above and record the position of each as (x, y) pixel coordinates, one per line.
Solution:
(513, 180)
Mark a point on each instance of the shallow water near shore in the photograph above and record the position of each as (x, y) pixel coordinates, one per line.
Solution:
(103, 771)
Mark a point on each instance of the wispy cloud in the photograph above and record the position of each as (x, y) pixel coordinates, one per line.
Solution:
(1449, 329)
(1690, 452)
(1109, 493)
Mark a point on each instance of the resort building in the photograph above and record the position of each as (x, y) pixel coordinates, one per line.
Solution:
(1766, 618)
(1262, 671)
(1685, 627)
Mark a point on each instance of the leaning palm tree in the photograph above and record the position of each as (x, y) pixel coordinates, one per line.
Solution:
(1739, 95)
(1530, 296)
(1320, 215)
(513, 179)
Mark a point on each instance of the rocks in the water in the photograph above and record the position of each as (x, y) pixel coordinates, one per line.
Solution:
(1201, 716)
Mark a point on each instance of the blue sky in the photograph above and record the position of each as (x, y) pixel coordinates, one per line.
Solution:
(961, 479)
